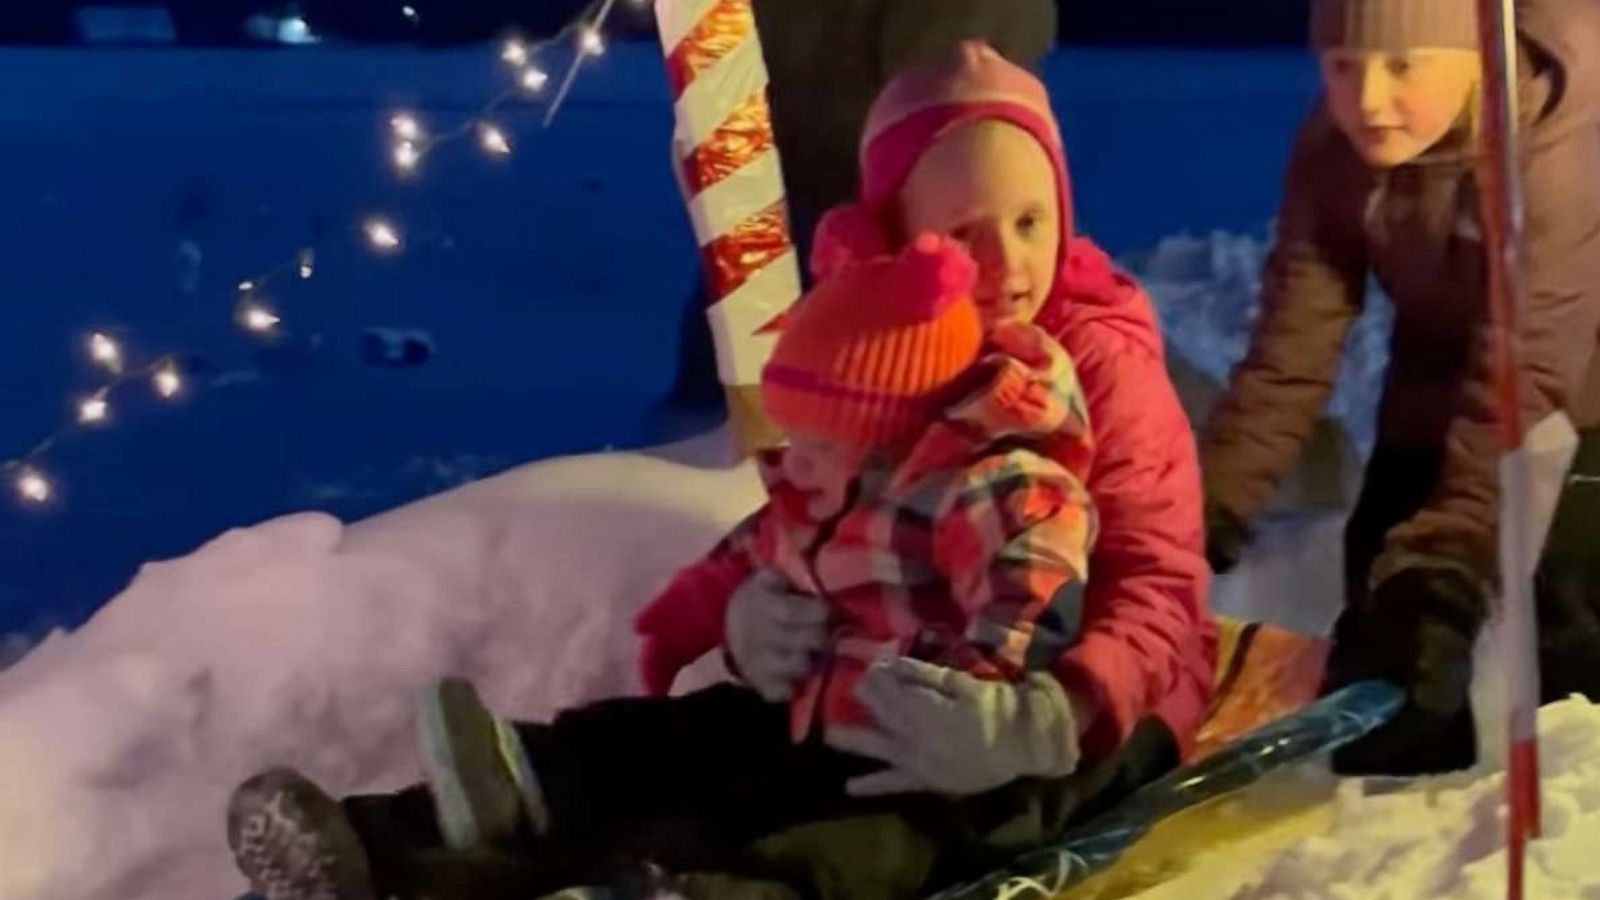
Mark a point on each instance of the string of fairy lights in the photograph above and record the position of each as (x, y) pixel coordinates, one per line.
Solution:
(413, 142)
(254, 311)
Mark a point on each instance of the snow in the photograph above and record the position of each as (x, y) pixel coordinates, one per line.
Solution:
(1433, 838)
(301, 641)
(1205, 290)
(1291, 576)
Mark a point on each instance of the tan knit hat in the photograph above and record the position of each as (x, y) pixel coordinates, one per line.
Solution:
(1394, 25)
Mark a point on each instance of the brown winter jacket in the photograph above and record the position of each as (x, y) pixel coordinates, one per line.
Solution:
(1416, 229)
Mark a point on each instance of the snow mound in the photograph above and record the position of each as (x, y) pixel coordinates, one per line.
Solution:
(1292, 574)
(302, 641)
(1434, 838)
(1446, 839)
(1206, 291)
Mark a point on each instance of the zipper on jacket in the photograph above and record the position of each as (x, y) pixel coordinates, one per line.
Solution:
(1372, 215)
(826, 530)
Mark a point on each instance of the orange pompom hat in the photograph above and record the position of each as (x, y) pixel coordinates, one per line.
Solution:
(870, 356)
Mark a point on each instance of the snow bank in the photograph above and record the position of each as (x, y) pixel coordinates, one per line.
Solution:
(1436, 838)
(1205, 290)
(1292, 575)
(301, 641)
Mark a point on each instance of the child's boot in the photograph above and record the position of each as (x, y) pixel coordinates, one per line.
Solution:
(484, 788)
(293, 842)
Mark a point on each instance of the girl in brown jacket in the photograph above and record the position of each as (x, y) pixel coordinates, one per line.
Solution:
(1384, 182)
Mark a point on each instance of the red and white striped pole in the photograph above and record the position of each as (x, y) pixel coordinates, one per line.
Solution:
(1502, 208)
(727, 164)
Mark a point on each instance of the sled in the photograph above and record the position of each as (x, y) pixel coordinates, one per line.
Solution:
(1263, 722)
(1264, 674)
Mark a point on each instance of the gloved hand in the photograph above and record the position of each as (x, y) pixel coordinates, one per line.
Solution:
(1415, 631)
(943, 731)
(1227, 536)
(774, 634)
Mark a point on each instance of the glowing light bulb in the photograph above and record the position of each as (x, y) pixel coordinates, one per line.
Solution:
(258, 318)
(534, 79)
(246, 287)
(406, 156)
(93, 410)
(296, 30)
(410, 12)
(515, 53)
(494, 140)
(406, 127)
(33, 486)
(167, 381)
(104, 350)
(591, 42)
(382, 235)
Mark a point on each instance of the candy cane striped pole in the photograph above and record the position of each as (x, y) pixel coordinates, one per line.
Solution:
(727, 164)
(1502, 202)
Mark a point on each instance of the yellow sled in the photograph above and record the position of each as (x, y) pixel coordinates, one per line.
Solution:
(1263, 674)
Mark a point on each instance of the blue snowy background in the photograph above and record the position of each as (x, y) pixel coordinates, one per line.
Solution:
(142, 185)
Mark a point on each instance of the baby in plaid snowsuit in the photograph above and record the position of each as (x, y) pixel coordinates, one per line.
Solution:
(922, 496)
(917, 496)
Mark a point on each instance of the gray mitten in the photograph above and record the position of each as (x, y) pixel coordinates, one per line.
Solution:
(941, 730)
(774, 634)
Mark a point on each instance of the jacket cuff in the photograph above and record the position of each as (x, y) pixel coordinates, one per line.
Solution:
(1379, 638)
(1445, 587)
(1393, 562)
(1111, 721)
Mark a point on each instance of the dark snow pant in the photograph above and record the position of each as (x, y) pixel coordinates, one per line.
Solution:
(711, 783)
(1567, 585)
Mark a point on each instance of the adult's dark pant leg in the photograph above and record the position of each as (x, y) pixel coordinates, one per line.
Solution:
(1398, 481)
(1567, 587)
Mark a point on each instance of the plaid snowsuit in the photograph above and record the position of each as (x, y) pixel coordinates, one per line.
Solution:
(971, 552)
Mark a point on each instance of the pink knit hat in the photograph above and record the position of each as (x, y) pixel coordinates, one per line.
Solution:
(912, 113)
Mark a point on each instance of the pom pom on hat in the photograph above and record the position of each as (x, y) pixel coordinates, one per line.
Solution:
(933, 273)
(870, 356)
(845, 236)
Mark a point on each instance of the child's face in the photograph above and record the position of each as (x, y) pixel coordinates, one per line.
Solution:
(1395, 106)
(991, 186)
(822, 469)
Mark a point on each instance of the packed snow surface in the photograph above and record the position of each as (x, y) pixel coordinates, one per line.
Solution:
(302, 641)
